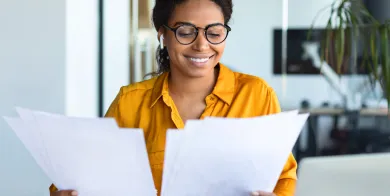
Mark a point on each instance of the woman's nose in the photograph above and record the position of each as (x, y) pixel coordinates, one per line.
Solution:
(201, 42)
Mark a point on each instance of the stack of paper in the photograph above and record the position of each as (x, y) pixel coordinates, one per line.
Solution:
(214, 156)
(92, 156)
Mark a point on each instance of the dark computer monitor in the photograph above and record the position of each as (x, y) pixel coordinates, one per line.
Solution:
(295, 64)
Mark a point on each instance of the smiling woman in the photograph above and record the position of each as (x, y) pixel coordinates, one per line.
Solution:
(191, 83)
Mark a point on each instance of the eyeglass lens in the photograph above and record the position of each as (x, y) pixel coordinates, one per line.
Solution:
(186, 34)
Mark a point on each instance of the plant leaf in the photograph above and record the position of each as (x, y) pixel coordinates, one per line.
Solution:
(384, 39)
(340, 39)
(328, 33)
(315, 19)
(353, 33)
(374, 51)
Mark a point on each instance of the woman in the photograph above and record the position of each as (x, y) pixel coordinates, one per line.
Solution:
(192, 84)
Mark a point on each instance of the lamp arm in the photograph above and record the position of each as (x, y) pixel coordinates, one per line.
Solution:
(311, 52)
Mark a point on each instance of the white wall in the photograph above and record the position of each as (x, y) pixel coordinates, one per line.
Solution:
(116, 53)
(81, 58)
(32, 67)
(250, 46)
(46, 49)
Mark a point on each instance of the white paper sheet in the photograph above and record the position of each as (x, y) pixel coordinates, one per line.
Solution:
(174, 137)
(95, 158)
(26, 136)
(28, 118)
(90, 155)
(234, 157)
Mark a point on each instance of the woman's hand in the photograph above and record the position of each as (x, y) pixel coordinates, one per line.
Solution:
(262, 193)
(64, 193)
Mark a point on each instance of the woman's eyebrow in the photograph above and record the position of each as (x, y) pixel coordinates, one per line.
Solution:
(217, 23)
(183, 23)
(188, 23)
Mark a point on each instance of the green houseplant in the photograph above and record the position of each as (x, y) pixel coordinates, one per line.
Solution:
(350, 25)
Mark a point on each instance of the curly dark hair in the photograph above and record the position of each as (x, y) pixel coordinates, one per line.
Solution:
(161, 14)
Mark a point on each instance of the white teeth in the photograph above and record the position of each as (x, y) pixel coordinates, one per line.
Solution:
(199, 60)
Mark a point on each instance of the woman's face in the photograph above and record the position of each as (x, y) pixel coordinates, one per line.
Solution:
(199, 58)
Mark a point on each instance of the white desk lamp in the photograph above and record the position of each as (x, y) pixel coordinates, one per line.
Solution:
(351, 99)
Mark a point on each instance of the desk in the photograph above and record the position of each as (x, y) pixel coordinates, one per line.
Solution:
(337, 111)
(313, 122)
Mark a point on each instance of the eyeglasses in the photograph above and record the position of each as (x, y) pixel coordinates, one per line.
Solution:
(187, 33)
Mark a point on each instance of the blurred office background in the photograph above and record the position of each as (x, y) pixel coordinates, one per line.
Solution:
(71, 57)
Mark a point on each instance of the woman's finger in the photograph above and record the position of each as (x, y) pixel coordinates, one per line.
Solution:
(65, 193)
(261, 193)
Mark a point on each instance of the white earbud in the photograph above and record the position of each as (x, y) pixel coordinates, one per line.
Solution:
(162, 41)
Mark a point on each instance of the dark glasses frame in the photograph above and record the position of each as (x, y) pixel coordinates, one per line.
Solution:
(174, 30)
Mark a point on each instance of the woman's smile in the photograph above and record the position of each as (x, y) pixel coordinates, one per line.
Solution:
(199, 60)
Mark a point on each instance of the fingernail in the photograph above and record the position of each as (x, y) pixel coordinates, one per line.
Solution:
(255, 193)
(74, 193)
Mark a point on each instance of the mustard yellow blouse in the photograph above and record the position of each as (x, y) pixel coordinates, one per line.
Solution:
(147, 105)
